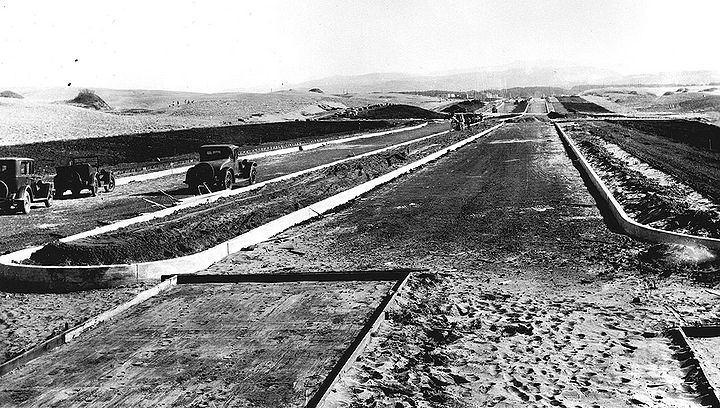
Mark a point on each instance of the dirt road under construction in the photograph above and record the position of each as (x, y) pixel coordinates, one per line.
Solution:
(528, 299)
(72, 214)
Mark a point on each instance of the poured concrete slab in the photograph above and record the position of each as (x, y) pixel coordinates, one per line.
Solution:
(243, 344)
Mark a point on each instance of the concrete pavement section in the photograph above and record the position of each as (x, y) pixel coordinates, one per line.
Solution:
(247, 344)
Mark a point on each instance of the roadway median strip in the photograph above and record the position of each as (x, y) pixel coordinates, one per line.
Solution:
(276, 152)
(44, 278)
(627, 224)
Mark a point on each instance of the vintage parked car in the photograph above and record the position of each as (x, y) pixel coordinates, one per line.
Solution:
(220, 166)
(20, 186)
(83, 173)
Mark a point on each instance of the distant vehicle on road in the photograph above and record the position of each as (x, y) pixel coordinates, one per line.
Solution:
(461, 121)
(20, 187)
(220, 166)
(83, 173)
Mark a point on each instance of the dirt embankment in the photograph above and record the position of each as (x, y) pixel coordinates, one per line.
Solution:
(10, 94)
(576, 104)
(687, 150)
(131, 150)
(200, 228)
(649, 200)
(398, 111)
(693, 133)
(469, 106)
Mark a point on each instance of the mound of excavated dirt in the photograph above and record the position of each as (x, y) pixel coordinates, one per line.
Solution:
(88, 99)
(464, 106)
(399, 112)
(576, 104)
(10, 94)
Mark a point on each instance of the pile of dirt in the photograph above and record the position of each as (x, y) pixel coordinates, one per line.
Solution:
(130, 150)
(10, 94)
(199, 228)
(576, 104)
(316, 90)
(468, 106)
(399, 112)
(645, 200)
(88, 99)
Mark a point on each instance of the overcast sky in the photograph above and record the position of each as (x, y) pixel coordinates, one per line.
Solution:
(219, 45)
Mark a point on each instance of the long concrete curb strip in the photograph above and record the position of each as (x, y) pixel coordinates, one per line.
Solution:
(627, 224)
(49, 278)
(180, 170)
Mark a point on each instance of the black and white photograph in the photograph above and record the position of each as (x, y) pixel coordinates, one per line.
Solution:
(351, 204)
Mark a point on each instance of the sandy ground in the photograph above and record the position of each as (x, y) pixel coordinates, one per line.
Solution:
(651, 101)
(40, 117)
(29, 318)
(529, 300)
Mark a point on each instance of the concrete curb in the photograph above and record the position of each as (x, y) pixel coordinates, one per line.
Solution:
(695, 368)
(69, 335)
(627, 224)
(276, 152)
(33, 278)
(361, 341)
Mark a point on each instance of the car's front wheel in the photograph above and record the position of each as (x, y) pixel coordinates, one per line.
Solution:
(110, 186)
(25, 203)
(227, 179)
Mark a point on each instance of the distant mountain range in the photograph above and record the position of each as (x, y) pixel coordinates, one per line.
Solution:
(508, 77)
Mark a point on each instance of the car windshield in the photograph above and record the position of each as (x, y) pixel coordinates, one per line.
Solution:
(215, 153)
